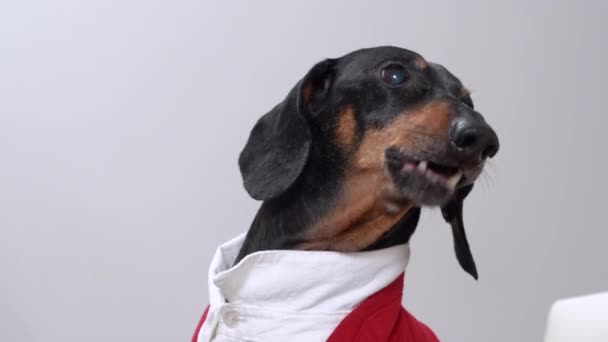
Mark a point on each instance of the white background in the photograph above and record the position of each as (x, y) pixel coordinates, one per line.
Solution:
(121, 122)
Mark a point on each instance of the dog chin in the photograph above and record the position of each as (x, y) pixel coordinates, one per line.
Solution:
(424, 193)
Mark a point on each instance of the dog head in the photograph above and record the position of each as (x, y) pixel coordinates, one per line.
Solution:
(381, 132)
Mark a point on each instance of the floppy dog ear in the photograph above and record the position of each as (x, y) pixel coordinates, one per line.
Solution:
(279, 143)
(452, 213)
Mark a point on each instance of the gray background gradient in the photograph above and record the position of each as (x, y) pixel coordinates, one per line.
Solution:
(121, 122)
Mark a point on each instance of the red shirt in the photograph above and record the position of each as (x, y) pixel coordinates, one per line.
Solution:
(379, 318)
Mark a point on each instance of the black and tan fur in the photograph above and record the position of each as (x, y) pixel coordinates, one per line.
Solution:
(327, 161)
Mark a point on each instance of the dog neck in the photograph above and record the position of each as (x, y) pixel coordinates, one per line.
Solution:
(318, 215)
(361, 213)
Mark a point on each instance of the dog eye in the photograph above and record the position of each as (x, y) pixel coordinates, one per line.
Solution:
(394, 74)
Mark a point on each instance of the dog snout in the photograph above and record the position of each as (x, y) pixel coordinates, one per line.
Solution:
(473, 139)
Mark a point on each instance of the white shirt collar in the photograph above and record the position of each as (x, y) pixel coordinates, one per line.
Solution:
(323, 283)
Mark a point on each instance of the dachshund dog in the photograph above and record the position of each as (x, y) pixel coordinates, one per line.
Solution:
(359, 145)
(343, 166)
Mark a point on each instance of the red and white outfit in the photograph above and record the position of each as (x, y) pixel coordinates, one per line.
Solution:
(308, 296)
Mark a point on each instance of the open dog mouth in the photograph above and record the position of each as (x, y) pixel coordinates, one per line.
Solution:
(434, 173)
(424, 181)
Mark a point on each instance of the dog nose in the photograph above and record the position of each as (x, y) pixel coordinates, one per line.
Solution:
(474, 139)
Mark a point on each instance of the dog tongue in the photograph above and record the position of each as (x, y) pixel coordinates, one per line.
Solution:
(409, 166)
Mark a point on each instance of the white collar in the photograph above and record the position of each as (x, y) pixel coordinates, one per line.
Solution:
(298, 282)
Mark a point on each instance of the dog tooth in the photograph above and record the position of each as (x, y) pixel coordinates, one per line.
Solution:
(422, 166)
(453, 180)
